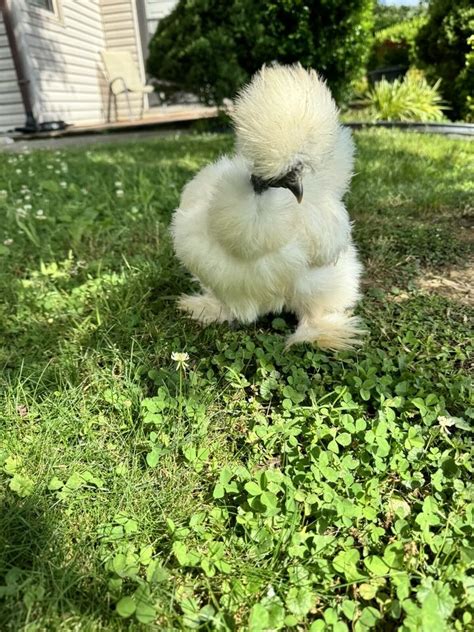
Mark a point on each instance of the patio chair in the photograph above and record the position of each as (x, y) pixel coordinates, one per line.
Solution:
(123, 77)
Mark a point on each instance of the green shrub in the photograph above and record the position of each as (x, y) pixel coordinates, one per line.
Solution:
(410, 99)
(443, 49)
(396, 44)
(211, 48)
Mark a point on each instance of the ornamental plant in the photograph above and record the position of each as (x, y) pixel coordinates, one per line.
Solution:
(409, 99)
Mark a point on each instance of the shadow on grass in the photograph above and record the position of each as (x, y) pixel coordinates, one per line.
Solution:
(37, 573)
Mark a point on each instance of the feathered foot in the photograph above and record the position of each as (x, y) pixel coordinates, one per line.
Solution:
(333, 331)
(205, 308)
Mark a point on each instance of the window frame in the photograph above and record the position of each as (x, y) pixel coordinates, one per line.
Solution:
(53, 12)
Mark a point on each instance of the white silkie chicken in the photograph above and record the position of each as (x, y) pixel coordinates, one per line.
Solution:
(266, 229)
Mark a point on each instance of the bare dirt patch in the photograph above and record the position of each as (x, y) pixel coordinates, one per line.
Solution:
(455, 283)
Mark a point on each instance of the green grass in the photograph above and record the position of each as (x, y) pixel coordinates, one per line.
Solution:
(255, 489)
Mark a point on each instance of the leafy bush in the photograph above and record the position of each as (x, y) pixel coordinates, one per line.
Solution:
(410, 99)
(443, 48)
(396, 44)
(211, 48)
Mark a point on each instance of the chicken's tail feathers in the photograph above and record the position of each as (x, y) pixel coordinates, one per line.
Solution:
(334, 331)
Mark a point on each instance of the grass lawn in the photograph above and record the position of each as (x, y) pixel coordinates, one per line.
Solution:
(254, 489)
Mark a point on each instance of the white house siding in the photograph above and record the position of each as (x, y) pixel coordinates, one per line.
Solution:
(155, 11)
(64, 58)
(12, 113)
(121, 30)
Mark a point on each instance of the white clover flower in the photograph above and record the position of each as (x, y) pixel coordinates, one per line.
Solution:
(181, 360)
(63, 184)
(7, 242)
(119, 193)
(21, 212)
(18, 171)
(118, 184)
(134, 210)
(27, 207)
(444, 423)
(50, 166)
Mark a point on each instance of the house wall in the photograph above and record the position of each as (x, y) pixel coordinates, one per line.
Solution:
(64, 56)
(12, 113)
(121, 30)
(63, 53)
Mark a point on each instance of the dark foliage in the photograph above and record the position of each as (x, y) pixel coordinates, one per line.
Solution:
(395, 45)
(211, 48)
(443, 48)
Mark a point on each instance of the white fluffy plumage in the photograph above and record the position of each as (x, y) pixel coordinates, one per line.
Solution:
(286, 114)
(240, 230)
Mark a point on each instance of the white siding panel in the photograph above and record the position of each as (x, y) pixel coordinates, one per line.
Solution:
(12, 113)
(68, 52)
(119, 5)
(65, 57)
(87, 31)
(77, 89)
(8, 76)
(122, 43)
(85, 19)
(6, 121)
(114, 17)
(10, 100)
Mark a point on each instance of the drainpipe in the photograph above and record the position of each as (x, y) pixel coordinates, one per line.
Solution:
(143, 27)
(20, 68)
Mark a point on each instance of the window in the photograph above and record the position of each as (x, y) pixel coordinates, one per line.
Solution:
(43, 4)
(49, 9)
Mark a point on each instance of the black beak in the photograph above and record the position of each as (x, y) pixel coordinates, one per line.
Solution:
(291, 181)
(295, 185)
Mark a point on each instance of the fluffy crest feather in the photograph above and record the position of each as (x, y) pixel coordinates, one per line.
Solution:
(283, 117)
